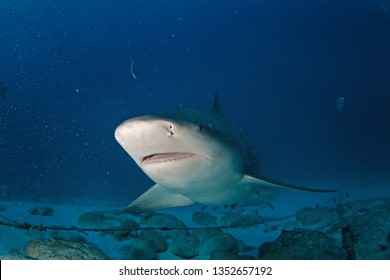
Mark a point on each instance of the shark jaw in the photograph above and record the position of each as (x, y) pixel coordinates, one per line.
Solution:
(175, 170)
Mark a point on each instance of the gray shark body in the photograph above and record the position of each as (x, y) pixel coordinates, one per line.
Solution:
(194, 157)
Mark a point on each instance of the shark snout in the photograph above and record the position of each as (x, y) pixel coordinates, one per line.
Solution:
(146, 126)
(145, 136)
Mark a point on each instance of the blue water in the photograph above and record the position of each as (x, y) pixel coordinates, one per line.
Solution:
(279, 67)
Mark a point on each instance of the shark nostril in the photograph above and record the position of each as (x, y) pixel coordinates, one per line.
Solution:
(170, 131)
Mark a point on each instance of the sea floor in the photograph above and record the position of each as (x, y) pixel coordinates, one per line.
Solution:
(300, 225)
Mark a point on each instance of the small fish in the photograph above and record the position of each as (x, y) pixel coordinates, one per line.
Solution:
(132, 70)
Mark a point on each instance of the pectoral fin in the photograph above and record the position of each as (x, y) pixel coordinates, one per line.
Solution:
(266, 182)
(157, 197)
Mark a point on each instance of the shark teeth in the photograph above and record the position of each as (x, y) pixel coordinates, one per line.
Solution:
(166, 157)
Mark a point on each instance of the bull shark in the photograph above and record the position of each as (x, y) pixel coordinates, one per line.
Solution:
(193, 157)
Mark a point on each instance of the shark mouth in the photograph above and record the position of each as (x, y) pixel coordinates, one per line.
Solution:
(166, 157)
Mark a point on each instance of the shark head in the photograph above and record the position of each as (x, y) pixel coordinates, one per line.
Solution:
(192, 156)
(183, 148)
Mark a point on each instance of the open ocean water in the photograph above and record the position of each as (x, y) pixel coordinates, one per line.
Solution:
(306, 82)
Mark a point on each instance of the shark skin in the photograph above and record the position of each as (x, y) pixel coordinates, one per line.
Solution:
(193, 157)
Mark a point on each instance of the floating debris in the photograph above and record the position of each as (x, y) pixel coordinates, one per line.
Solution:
(340, 103)
(133, 74)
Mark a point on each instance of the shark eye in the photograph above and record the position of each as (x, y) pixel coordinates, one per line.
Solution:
(200, 128)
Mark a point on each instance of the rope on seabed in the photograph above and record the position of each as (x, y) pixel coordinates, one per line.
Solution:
(27, 226)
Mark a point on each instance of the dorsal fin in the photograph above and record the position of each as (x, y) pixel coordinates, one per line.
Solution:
(217, 108)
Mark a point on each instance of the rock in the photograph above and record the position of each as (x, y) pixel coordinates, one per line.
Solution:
(41, 211)
(324, 216)
(129, 230)
(232, 253)
(205, 234)
(291, 225)
(165, 222)
(223, 243)
(370, 234)
(70, 236)
(48, 249)
(155, 240)
(204, 219)
(236, 220)
(363, 206)
(301, 244)
(366, 227)
(129, 224)
(121, 235)
(186, 247)
(11, 257)
(138, 250)
(46, 211)
(34, 211)
(91, 219)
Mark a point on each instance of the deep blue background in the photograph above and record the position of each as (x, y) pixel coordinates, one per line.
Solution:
(279, 67)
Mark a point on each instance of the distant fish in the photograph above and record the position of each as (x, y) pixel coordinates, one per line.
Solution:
(132, 70)
(3, 92)
(340, 103)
